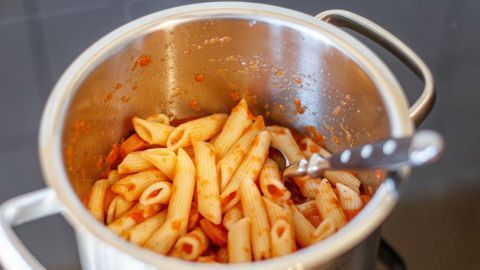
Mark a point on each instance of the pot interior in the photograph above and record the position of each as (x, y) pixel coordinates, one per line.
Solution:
(192, 66)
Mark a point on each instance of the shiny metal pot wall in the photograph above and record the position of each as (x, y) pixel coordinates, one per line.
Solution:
(194, 60)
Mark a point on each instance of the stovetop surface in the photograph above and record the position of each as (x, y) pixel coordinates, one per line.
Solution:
(436, 224)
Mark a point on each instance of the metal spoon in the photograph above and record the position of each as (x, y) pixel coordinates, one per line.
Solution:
(423, 147)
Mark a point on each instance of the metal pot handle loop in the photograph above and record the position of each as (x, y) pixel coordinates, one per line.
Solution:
(19, 210)
(341, 18)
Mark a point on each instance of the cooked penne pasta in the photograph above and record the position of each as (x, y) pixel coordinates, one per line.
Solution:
(271, 182)
(159, 118)
(163, 159)
(157, 193)
(163, 239)
(134, 216)
(350, 201)
(236, 123)
(328, 205)
(309, 147)
(308, 186)
(134, 162)
(310, 211)
(201, 129)
(283, 242)
(192, 245)
(96, 202)
(117, 208)
(132, 186)
(324, 230)
(253, 208)
(113, 177)
(152, 132)
(283, 140)
(302, 227)
(239, 249)
(230, 162)
(233, 215)
(206, 181)
(203, 174)
(142, 231)
(249, 169)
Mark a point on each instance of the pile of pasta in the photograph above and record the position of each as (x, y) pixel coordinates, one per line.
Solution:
(208, 191)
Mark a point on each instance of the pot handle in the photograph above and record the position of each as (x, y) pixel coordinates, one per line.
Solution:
(342, 18)
(19, 210)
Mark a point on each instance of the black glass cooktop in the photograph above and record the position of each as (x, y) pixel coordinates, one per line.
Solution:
(436, 224)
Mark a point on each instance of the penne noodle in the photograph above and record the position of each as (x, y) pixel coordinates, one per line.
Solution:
(308, 186)
(134, 216)
(152, 132)
(113, 177)
(239, 249)
(159, 118)
(309, 147)
(283, 140)
(163, 159)
(230, 162)
(302, 227)
(236, 123)
(324, 230)
(216, 233)
(163, 239)
(206, 259)
(310, 211)
(192, 245)
(117, 208)
(283, 241)
(132, 144)
(157, 193)
(142, 231)
(134, 162)
(178, 209)
(132, 186)
(193, 217)
(249, 169)
(221, 255)
(201, 129)
(350, 201)
(233, 215)
(207, 184)
(97, 197)
(275, 213)
(253, 208)
(328, 205)
(271, 182)
(343, 177)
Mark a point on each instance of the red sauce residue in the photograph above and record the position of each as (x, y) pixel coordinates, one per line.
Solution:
(313, 216)
(365, 198)
(144, 60)
(112, 160)
(187, 248)
(298, 106)
(275, 191)
(118, 86)
(317, 137)
(132, 144)
(250, 116)
(124, 99)
(135, 87)
(176, 225)
(336, 140)
(193, 104)
(280, 231)
(109, 97)
(154, 193)
(137, 216)
(297, 81)
(235, 96)
(199, 77)
(350, 214)
(314, 148)
(216, 233)
(86, 198)
(107, 200)
(296, 136)
(303, 146)
(100, 162)
(227, 199)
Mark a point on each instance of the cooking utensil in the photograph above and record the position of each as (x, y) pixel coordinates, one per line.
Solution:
(198, 59)
(422, 148)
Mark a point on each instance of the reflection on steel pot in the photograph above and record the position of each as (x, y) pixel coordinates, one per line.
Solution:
(198, 59)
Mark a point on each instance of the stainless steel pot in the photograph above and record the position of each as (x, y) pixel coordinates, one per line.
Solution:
(202, 57)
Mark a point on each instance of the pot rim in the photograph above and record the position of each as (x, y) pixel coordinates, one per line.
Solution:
(51, 131)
